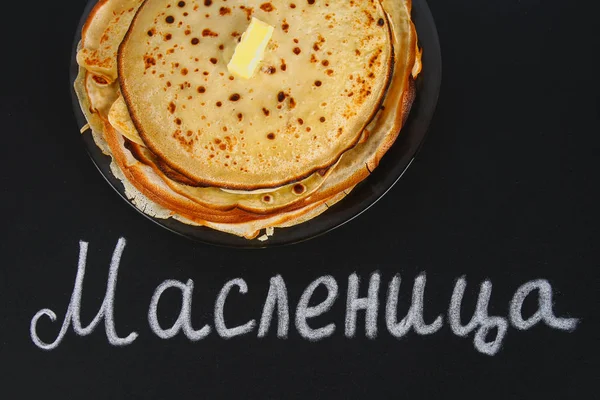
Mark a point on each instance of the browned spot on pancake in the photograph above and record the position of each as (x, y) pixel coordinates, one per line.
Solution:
(329, 72)
(249, 11)
(311, 2)
(101, 81)
(195, 41)
(297, 50)
(148, 62)
(381, 22)
(299, 188)
(207, 3)
(267, 199)
(280, 97)
(283, 65)
(322, 119)
(240, 116)
(207, 32)
(151, 32)
(270, 70)
(285, 26)
(213, 60)
(292, 5)
(181, 4)
(313, 59)
(221, 47)
(187, 32)
(266, 112)
(271, 136)
(267, 7)
(224, 11)
(234, 97)
(292, 102)
(300, 121)
(219, 104)
(318, 83)
(184, 71)
(370, 18)
(178, 121)
(201, 89)
(316, 47)
(170, 19)
(172, 107)
(235, 34)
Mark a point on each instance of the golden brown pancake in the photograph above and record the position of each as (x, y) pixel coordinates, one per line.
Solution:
(275, 128)
(160, 190)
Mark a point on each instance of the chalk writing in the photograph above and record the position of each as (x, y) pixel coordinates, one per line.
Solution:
(304, 312)
(414, 318)
(370, 304)
(277, 296)
(277, 305)
(184, 321)
(224, 332)
(480, 320)
(72, 315)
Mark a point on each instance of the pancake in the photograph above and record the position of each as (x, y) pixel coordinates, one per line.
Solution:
(162, 191)
(278, 127)
(107, 24)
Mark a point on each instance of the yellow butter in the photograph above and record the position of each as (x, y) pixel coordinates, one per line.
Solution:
(251, 49)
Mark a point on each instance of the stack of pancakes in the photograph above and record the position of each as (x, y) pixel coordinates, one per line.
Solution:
(191, 141)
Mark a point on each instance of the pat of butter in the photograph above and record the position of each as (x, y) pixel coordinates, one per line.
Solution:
(251, 49)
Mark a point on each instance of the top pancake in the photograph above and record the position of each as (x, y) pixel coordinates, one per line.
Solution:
(323, 77)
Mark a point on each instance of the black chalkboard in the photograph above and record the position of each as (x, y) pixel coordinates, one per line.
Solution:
(502, 197)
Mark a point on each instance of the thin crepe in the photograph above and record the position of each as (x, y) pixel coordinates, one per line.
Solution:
(285, 123)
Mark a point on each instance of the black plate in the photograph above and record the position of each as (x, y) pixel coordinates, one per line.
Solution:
(392, 167)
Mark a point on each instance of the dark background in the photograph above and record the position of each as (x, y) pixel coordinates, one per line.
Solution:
(504, 188)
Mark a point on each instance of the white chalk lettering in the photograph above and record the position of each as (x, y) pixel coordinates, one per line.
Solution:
(277, 296)
(222, 330)
(480, 318)
(414, 318)
(72, 315)
(489, 332)
(370, 304)
(304, 312)
(184, 321)
(544, 312)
